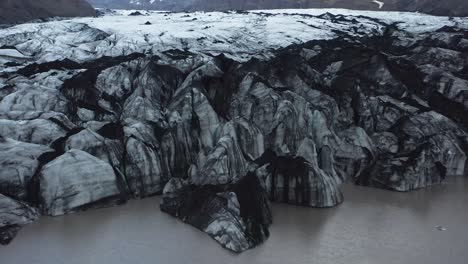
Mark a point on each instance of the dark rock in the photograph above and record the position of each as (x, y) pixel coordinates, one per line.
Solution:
(136, 13)
(35, 68)
(111, 131)
(24, 10)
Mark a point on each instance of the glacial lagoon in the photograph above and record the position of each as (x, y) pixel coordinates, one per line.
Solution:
(427, 226)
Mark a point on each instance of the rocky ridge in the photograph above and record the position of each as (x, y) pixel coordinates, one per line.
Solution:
(434, 7)
(220, 137)
(19, 11)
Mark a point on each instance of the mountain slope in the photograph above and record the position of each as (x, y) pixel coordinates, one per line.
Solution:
(15, 11)
(435, 7)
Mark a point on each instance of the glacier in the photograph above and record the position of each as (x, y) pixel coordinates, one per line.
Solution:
(223, 112)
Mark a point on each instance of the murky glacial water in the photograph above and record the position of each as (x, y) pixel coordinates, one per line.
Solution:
(372, 227)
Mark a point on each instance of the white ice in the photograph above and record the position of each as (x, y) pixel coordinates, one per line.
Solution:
(239, 35)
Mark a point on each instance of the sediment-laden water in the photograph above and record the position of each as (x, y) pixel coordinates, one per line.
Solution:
(371, 226)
